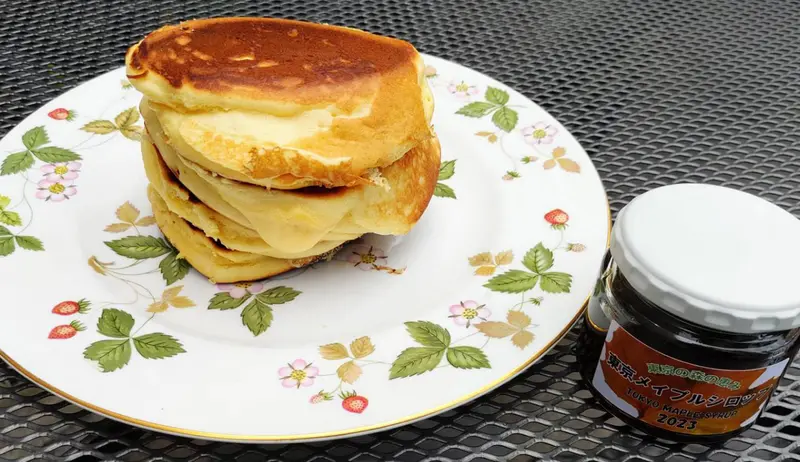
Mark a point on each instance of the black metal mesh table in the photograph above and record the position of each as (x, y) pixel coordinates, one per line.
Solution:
(657, 92)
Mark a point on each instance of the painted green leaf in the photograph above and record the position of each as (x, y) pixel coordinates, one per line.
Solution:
(447, 169)
(157, 346)
(496, 96)
(224, 301)
(101, 127)
(53, 154)
(10, 218)
(442, 190)
(505, 119)
(512, 282)
(4, 201)
(467, 357)
(4, 231)
(415, 361)
(140, 247)
(115, 323)
(29, 243)
(277, 295)
(428, 334)
(35, 137)
(556, 283)
(17, 162)
(257, 317)
(173, 269)
(476, 109)
(132, 133)
(7, 246)
(539, 259)
(111, 354)
(127, 117)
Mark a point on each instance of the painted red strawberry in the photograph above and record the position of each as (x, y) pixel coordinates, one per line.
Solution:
(69, 308)
(352, 402)
(557, 218)
(62, 114)
(66, 331)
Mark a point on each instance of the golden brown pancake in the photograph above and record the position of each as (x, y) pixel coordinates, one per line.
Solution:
(230, 234)
(213, 260)
(284, 104)
(295, 221)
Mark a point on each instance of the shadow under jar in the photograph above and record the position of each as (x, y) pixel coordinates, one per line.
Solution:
(694, 320)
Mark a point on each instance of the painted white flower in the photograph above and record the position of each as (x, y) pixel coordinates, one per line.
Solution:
(467, 312)
(298, 374)
(55, 191)
(241, 289)
(61, 171)
(462, 89)
(539, 133)
(365, 257)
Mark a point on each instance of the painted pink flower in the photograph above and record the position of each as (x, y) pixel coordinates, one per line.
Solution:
(298, 374)
(61, 171)
(55, 191)
(241, 289)
(539, 133)
(465, 313)
(462, 90)
(365, 257)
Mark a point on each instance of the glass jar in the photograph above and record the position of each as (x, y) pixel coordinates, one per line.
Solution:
(682, 339)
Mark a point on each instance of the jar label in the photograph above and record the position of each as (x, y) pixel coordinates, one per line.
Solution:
(678, 396)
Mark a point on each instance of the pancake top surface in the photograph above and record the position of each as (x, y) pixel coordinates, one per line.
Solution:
(265, 55)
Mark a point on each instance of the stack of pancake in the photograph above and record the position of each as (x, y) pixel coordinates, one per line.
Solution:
(270, 143)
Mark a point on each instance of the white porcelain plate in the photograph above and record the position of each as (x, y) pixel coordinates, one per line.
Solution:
(98, 309)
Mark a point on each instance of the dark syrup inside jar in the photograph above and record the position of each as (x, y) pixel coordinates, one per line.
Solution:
(690, 355)
(690, 344)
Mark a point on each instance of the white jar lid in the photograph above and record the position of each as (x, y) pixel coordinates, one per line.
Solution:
(713, 256)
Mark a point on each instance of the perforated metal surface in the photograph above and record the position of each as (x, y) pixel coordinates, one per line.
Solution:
(657, 92)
